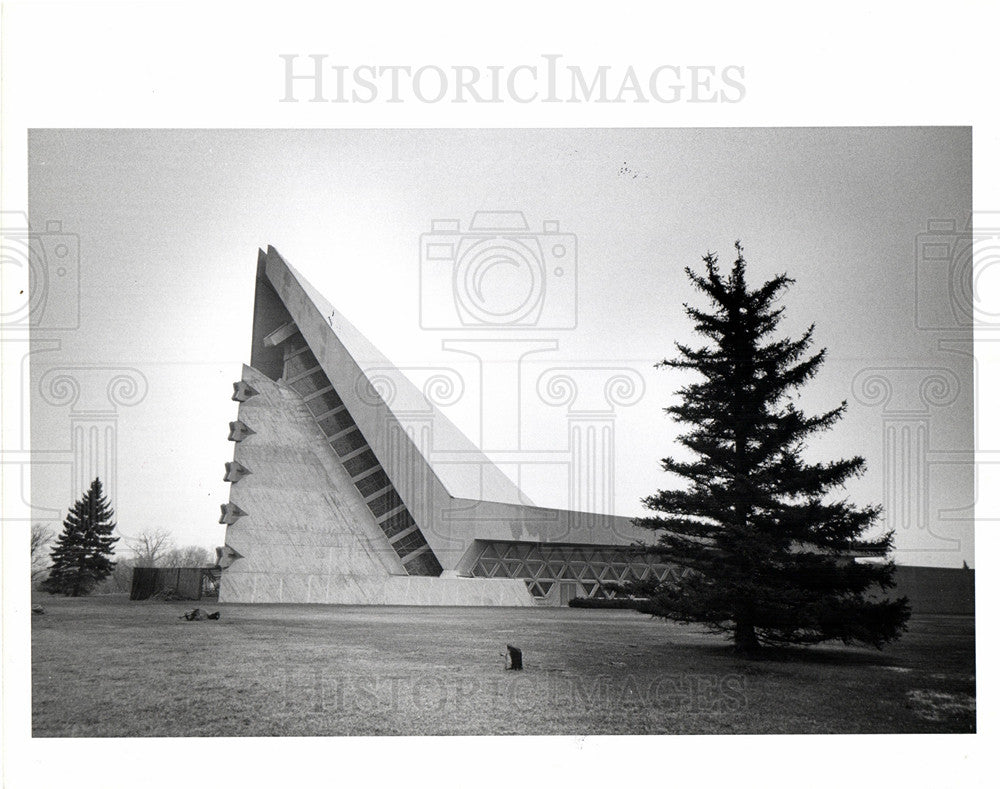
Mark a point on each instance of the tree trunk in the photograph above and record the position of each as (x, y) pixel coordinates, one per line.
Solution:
(746, 636)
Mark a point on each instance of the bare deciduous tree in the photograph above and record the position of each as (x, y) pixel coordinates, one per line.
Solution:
(153, 548)
(41, 536)
(120, 580)
(150, 547)
(188, 556)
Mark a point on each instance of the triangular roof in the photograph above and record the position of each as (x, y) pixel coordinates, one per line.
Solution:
(382, 390)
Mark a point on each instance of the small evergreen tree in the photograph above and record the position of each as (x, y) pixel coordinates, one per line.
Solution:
(770, 555)
(80, 557)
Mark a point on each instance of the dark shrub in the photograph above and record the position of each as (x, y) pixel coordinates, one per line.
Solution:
(594, 602)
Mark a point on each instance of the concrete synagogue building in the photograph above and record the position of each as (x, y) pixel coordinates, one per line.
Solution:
(334, 498)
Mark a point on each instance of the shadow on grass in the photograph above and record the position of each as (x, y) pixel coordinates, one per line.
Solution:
(829, 653)
(806, 655)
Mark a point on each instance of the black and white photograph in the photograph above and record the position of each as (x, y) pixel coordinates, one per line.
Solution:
(608, 425)
(596, 427)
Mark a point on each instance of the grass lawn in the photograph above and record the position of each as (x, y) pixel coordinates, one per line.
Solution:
(107, 667)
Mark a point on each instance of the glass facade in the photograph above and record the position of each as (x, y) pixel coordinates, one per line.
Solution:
(359, 464)
(324, 402)
(372, 483)
(299, 363)
(310, 383)
(334, 423)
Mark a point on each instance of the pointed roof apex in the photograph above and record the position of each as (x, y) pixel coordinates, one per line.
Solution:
(377, 383)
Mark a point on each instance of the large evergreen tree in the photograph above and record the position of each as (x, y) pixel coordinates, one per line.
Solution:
(80, 558)
(768, 551)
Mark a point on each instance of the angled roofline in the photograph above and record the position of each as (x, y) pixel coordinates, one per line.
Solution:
(378, 372)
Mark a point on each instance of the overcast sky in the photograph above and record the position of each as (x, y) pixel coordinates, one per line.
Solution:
(169, 224)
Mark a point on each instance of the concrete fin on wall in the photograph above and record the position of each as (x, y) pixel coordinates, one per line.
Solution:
(239, 431)
(242, 391)
(231, 513)
(235, 471)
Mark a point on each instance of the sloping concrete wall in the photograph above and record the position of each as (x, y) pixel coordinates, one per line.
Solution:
(456, 502)
(306, 535)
